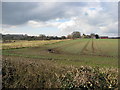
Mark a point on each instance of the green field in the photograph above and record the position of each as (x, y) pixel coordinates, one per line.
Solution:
(91, 52)
(90, 64)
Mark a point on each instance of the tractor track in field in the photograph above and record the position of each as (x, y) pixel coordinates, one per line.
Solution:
(96, 49)
(93, 49)
(86, 45)
(56, 49)
(85, 48)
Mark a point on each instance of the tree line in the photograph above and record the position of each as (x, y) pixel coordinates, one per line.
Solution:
(73, 35)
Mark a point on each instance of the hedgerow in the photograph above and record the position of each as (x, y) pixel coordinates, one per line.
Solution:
(35, 73)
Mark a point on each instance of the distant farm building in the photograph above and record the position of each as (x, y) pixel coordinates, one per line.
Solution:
(92, 35)
(104, 37)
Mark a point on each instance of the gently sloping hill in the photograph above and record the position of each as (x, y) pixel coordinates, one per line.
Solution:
(70, 54)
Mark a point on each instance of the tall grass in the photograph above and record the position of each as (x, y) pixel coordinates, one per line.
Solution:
(19, 72)
(24, 43)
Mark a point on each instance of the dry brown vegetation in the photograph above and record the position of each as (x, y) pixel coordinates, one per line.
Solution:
(21, 72)
(25, 43)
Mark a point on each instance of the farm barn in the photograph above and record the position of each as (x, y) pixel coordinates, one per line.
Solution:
(104, 37)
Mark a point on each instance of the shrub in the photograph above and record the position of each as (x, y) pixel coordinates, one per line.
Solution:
(21, 72)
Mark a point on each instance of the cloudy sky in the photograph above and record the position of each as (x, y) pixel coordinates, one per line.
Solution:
(60, 18)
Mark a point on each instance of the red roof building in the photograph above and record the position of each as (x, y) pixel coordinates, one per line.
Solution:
(104, 37)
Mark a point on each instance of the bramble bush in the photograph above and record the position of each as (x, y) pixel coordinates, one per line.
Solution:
(21, 72)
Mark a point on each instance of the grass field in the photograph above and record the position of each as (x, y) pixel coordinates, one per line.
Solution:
(97, 52)
(61, 64)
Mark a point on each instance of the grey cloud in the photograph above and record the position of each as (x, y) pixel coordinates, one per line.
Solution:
(19, 13)
(16, 13)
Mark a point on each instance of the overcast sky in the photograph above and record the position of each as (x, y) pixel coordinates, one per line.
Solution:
(60, 18)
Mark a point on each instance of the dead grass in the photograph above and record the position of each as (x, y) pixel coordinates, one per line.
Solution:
(21, 72)
(24, 43)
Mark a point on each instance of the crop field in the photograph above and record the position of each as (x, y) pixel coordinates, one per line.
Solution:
(61, 64)
(93, 52)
